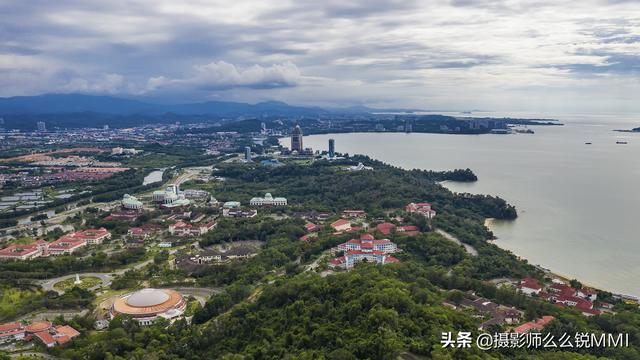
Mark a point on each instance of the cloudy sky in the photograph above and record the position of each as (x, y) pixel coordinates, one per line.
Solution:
(503, 55)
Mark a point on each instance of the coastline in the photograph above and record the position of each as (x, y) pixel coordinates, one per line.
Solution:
(554, 274)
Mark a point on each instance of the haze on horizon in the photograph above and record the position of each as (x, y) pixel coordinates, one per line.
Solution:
(501, 55)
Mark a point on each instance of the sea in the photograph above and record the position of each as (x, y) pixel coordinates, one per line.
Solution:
(578, 203)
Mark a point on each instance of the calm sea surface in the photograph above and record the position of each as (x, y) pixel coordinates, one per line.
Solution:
(578, 204)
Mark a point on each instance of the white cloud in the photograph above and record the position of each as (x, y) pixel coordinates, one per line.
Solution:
(221, 75)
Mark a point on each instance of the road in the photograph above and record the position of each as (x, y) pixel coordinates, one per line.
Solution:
(469, 249)
(48, 285)
(201, 294)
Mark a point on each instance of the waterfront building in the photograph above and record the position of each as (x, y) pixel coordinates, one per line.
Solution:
(147, 305)
(268, 200)
(247, 153)
(296, 139)
(530, 286)
(332, 148)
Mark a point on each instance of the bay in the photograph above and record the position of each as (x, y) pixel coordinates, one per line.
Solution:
(578, 204)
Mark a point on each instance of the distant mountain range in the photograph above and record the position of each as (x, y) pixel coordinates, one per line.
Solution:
(75, 103)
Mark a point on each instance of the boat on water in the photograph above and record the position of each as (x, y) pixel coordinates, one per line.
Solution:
(621, 142)
(587, 143)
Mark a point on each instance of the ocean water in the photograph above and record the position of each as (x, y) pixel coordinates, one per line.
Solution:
(578, 204)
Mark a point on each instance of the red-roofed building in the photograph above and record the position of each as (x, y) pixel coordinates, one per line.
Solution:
(365, 248)
(587, 293)
(341, 225)
(385, 228)
(184, 229)
(535, 325)
(46, 338)
(311, 227)
(564, 294)
(11, 332)
(65, 245)
(144, 231)
(20, 252)
(408, 230)
(38, 326)
(422, 208)
(90, 237)
(530, 286)
(64, 333)
(51, 336)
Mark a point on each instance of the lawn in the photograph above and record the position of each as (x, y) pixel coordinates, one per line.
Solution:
(87, 282)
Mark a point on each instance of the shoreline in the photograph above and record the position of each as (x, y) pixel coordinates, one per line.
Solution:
(554, 274)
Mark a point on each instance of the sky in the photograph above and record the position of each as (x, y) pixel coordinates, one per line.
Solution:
(495, 55)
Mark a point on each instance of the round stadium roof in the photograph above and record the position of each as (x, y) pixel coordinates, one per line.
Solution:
(147, 297)
(148, 302)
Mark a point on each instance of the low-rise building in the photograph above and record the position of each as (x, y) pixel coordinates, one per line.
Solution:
(131, 202)
(24, 252)
(268, 200)
(239, 213)
(365, 249)
(386, 228)
(90, 236)
(341, 225)
(11, 332)
(187, 229)
(530, 286)
(65, 246)
(534, 326)
(354, 214)
(422, 208)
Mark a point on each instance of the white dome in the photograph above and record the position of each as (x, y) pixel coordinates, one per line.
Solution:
(147, 297)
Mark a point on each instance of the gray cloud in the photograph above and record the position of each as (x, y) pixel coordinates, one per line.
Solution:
(440, 54)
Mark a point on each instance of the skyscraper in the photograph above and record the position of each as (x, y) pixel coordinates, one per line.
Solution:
(332, 148)
(247, 153)
(296, 139)
(42, 127)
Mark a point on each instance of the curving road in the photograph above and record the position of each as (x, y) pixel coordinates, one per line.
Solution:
(470, 249)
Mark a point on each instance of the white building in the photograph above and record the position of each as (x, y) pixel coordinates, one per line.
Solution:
(268, 200)
(170, 197)
(359, 167)
(131, 202)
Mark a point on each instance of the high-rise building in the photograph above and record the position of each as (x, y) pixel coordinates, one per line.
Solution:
(263, 127)
(296, 139)
(332, 148)
(42, 127)
(106, 127)
(247, 153)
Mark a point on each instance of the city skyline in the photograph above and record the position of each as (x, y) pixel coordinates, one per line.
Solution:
(534, 56)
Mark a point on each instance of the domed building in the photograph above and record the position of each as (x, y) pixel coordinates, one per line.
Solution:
(146, 305)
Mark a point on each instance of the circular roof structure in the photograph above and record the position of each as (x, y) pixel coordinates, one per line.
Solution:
(147, 297)
(148, 302)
